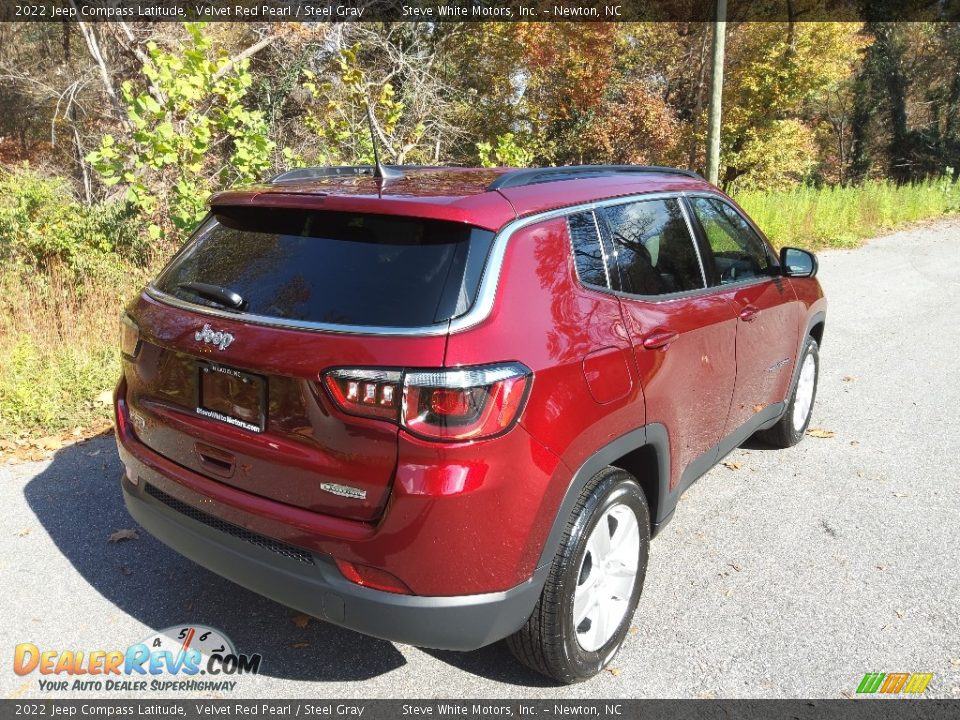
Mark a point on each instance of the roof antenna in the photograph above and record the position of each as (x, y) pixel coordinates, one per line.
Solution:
(380, 172)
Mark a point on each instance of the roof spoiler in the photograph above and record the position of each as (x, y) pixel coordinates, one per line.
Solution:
(318, 173)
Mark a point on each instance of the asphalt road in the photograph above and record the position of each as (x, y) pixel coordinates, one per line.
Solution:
(790, 575)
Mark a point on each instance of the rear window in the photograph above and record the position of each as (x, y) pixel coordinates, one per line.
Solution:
(335, 268)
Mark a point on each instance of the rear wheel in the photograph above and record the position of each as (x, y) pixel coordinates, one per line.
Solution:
(588, 601)
(793, 424)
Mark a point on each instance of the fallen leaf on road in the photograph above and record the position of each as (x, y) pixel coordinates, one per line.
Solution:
(735, 566)
(732, 465)
(854, 442)
(301, 620)
(24, 532)
(614, 671)
(900, 613)
(124, 534)
(299, 645)
(820, 433)
(897, 494)
(50, 443)
(849, 378)
(955, 662)
(634, 629)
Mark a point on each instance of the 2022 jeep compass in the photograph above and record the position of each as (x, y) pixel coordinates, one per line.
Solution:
(454, 406)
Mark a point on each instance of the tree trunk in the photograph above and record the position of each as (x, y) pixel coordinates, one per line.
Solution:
(93, 45)
(716, 94)
(901, 160)
(84, 170)
(66, 42)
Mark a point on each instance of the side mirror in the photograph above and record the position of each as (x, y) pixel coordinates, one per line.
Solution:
(795, 262)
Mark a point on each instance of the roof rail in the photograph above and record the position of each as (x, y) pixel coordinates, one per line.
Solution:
(533, 176)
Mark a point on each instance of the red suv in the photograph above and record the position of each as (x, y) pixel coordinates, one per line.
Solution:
(453, 406)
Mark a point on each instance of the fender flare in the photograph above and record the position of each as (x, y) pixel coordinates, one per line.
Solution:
(815, 319)
(653, 435)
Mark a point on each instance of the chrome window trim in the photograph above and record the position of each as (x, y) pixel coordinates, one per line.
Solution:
(603, 250)
(693, 239)
(482, 304)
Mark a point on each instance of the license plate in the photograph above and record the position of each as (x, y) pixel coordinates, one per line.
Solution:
(232, 396)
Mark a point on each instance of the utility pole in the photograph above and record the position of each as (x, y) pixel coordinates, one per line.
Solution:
(716, 93)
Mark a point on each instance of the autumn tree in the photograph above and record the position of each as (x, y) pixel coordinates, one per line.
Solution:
(778, 74)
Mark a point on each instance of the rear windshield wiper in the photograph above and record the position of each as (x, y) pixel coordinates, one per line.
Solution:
(219, 295)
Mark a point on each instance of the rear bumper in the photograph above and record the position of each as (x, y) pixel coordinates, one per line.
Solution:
(311, 583)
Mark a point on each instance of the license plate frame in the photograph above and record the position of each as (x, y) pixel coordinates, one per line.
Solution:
(233, 384)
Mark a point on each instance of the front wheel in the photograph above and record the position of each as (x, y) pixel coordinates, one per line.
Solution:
(588, 601)
(793, 424)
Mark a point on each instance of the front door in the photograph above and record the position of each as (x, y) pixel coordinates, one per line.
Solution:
(740, 264)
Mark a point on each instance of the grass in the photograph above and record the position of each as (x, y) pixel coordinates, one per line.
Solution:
(57, 353)
(842, 217)
(58, 340)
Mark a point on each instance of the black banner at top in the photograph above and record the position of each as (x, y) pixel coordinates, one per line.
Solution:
(477, 10)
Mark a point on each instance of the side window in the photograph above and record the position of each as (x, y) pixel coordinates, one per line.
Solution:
(655, 252)
(738, 253)
(587, 250)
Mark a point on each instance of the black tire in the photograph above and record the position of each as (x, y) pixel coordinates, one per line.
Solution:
(786, 433)
(548, 642)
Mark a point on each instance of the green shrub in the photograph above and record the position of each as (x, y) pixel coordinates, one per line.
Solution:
(42, 227)
(65, 271)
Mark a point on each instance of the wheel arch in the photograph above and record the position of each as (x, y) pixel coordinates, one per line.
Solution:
(815, 327)
(645, 454)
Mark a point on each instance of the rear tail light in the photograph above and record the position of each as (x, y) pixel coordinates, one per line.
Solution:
(129, 336)
(464, 404)
(457, 404)
(368, 393)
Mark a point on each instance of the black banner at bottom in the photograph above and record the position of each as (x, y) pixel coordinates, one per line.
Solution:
(865, 709)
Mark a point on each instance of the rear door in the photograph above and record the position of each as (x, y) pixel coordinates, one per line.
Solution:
(740, 265)
(237, 330)
(683, 335)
